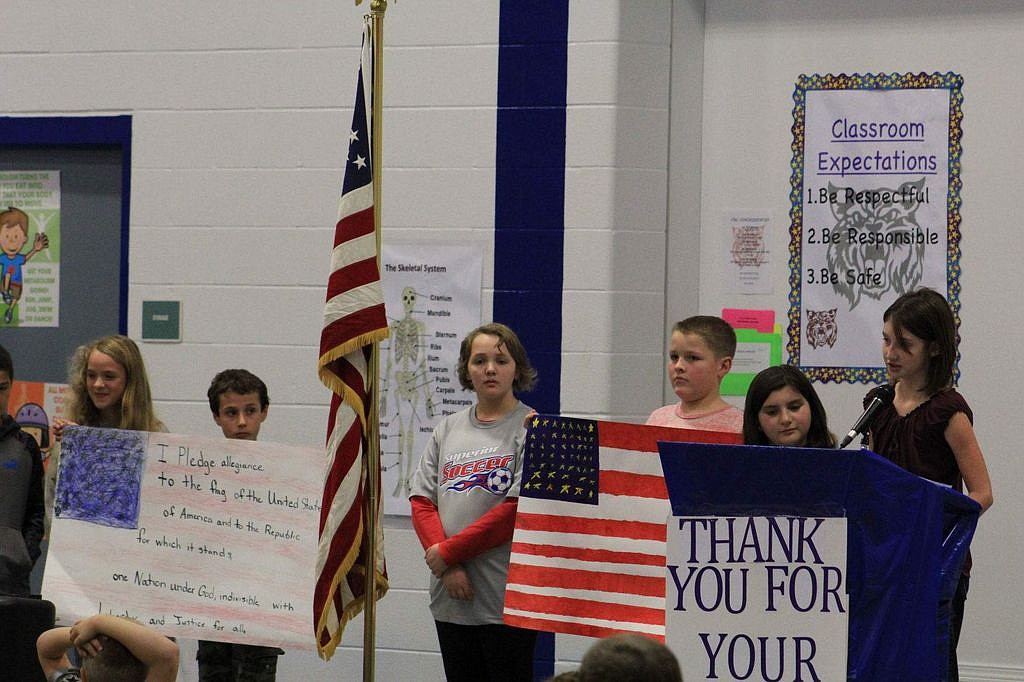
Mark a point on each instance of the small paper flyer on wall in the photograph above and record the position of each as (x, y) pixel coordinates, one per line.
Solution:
(748, 258)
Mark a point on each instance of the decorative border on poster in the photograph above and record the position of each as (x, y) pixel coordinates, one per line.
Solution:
(869, 81)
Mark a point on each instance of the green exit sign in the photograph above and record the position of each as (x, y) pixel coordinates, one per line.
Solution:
(161, 320)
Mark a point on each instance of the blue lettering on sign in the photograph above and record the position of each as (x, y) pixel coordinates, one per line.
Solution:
(791, 659)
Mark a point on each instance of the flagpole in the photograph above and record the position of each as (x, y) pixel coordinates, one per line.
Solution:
(377, 10)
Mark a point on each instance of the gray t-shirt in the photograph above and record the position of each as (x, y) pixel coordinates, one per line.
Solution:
(468, 468)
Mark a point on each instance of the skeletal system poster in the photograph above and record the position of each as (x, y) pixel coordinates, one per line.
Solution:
(432, 295)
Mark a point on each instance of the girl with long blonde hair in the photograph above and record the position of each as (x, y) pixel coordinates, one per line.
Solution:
(107, 387)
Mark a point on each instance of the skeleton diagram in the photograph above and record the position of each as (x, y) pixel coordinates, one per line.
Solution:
(410, 382)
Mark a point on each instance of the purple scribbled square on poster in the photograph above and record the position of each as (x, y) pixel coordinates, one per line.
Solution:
(100, 476)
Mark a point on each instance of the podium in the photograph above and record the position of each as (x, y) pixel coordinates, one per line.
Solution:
(906, 541)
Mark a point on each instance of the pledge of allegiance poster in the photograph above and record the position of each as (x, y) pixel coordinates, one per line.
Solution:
(875, 195)
(432, 296)
(30, 243)
(202, 538)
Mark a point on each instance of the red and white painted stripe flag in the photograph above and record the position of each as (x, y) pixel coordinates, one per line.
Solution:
(588, 553)
(354, 321)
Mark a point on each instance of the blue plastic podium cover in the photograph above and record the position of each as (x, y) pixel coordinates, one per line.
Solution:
(907, 537)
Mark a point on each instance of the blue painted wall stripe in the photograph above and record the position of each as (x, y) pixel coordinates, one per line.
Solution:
(529, 215)
(529, 201)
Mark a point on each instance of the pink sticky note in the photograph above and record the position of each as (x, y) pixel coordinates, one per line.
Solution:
(740, 318)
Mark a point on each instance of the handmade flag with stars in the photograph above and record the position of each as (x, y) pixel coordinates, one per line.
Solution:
(588, 553)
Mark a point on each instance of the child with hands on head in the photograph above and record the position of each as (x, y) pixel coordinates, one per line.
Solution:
(464, 496)
(929, 427)
(782, 408)
(699, 356)
(111, 649)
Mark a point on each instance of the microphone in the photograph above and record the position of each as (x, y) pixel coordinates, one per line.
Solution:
(883, 396)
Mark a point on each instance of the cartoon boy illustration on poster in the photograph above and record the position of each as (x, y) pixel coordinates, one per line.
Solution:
(13, 237)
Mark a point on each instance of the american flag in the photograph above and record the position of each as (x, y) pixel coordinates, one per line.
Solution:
(588, 552)
(354, 321)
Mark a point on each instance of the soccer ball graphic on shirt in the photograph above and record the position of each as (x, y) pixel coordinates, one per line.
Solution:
(499, 480)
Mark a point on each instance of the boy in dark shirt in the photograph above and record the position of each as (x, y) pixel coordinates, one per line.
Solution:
(21, 494)
(239, 403)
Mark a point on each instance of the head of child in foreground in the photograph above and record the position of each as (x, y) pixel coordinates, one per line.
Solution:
(114, 663)
(782, 408)
(629, 658)
(700, 353)
(6, 377)
(493, 362)
(919, 341)
(239, 403)
(109, 386)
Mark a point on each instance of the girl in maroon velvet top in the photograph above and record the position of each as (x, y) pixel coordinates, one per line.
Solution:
(928, 429)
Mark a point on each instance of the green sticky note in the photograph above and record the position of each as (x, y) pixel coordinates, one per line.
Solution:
(754, 351)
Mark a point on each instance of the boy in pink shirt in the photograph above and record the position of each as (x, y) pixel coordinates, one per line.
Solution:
(699, 355)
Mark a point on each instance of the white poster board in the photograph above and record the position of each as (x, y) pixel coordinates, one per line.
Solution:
(757, 597)
(432, 295)
(200, 538)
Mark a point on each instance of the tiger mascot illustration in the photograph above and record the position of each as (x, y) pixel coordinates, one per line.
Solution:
(900, 263)
(822, 329)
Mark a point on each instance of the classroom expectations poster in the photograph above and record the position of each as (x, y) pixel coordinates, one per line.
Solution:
(875, 196)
